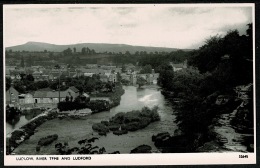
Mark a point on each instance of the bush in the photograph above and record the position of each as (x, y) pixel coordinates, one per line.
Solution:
(100, 127)
(67, 106)
(98, 105)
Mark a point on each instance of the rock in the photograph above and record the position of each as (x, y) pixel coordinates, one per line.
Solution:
(161, 136)
(142, 149)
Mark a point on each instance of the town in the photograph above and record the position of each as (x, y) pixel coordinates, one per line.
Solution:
(45, 75)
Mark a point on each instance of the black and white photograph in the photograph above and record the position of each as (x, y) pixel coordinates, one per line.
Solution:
(85, 82)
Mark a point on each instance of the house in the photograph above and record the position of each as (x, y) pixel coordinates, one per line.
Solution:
(16, 76)
(54, 76)
(47, 96)
(113, 78)
(72, 91)
(26, 98)
(180, 66)
(11, 96)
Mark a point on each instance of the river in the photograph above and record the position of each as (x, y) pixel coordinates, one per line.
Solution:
(71, 131)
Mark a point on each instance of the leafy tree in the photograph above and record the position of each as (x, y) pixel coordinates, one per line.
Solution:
(146, 69)
(83, 51)
(67, 52)
(42, 84)
(140, 81)
(166, 76)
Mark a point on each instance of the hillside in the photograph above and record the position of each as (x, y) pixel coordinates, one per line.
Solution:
(98, 47)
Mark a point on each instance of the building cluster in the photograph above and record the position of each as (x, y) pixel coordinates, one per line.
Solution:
(41, 98)
(107, 73)
(44, 97)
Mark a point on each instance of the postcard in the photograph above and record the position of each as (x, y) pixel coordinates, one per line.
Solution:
(129, 84)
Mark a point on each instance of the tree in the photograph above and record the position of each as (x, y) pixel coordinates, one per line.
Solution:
(67, 52)
(127, 53)
(74, 49)
(140, 81)
(146, 69)
(166, 75)
(29, 77)
(22, 62)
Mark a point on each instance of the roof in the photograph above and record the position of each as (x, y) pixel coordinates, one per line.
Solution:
(49, 94)
(12, 89)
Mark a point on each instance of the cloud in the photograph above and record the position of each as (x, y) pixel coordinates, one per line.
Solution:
(178, 27)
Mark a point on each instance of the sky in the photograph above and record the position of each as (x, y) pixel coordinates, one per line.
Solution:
(144, 25)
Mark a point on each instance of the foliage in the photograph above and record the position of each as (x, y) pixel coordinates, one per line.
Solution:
(140, 81)
(12, 112)
(222, 63)
(166, 76)
(238, 52)
(146, 69)
(98, 105)
(121, 123)
(7, 83)
(67, 106)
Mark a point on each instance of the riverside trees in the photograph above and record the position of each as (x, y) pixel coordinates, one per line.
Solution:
(222, 63)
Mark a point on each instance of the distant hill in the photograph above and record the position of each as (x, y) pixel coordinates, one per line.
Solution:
(98, 47)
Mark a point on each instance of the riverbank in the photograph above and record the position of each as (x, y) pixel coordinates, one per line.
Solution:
(18, 136)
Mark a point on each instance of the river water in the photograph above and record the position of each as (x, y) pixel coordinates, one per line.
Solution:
(72, 131)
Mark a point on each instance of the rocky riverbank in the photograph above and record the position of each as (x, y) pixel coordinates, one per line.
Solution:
(230, 124)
